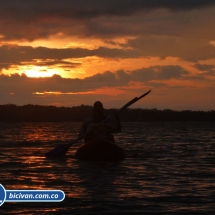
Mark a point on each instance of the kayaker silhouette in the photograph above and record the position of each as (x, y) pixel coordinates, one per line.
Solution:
(98, 149)
(104, 130)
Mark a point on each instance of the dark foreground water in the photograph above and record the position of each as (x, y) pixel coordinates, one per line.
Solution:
(169, 169)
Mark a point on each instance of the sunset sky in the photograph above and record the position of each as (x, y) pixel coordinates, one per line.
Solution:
(73, 52)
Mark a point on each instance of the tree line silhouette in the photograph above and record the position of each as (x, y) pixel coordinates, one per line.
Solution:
(39, 113)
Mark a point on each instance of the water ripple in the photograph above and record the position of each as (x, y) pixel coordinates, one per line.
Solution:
(169, 169)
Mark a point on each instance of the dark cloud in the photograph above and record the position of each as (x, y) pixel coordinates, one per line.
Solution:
(27, 53)
(22, 84)
(61, 63)
(31, 20)
(81, 9)
(206, 69)
(4, 66)
(165, 46)
(158, 73)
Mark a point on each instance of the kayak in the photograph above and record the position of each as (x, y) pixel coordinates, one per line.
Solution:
(100, 150)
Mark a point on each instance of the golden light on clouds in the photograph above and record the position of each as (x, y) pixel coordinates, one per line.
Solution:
(62, 93)
(107, 51)
(38, 73)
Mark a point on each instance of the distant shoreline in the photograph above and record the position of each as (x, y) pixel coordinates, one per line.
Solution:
(39, 113)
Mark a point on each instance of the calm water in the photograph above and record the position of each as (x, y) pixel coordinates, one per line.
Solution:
(169, 169)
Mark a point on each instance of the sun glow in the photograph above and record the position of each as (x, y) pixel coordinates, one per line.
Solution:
(62, 93)
(38, 73)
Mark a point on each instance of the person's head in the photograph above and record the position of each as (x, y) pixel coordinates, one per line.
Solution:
(98, 109)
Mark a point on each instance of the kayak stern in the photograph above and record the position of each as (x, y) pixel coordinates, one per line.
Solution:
(100, 150)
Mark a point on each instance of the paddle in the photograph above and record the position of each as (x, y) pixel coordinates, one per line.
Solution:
(62, 149)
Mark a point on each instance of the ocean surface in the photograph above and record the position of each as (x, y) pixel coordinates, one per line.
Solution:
(169, 169)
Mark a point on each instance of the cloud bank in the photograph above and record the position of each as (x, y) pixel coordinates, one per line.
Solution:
(83, 9)
(31, 20)
(21, 83)
(162, 47)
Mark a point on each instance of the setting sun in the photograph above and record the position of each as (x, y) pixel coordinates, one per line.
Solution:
(38, 73)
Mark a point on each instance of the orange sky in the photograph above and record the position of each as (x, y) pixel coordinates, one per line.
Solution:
(68, 53)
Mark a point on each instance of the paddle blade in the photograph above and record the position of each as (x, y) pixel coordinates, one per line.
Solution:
(58, 151)
(145, 94)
